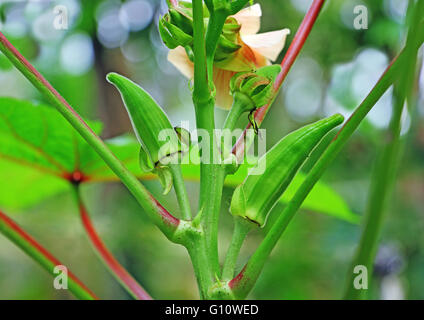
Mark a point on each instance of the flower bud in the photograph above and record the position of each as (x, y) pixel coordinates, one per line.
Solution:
(176, 29)
(257, 85)
(258, 194)
(229, 41)
(159, 141)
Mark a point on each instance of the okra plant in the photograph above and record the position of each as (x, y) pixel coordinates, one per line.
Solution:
(228, 65)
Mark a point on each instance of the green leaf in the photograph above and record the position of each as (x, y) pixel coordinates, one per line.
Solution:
(23, 186)
(127, 149)
(39, 151)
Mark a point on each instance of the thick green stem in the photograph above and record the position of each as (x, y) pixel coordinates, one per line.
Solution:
(384, 175)
(33, 249)
(241, 104)
(213, 185)
(201, 92)
(242, 284)
(199, 258)
(216, 23)
(241, 229)
(181, 191)
(163, 219)
(210, 185)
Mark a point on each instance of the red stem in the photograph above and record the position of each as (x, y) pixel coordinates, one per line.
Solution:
(288, 61)
(118, 270)
(38, 247)
(299, 41)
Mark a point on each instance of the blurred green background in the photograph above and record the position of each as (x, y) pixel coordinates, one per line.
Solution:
(335, 71)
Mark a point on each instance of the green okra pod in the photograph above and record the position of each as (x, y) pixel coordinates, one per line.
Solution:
(160, 143)
(257, 195)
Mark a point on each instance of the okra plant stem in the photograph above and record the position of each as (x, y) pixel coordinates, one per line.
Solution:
(241, 229)
(240, 105)
(198, 252)
(216, 23)
(33, 249)
(210, 185)
(384, 174)
(181, 191)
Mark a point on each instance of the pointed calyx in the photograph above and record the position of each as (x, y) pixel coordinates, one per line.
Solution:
(176, 26)
(257, 85)
(251, 90)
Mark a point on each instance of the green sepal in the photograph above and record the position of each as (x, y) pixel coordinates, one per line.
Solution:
(172, 35)
(226, 46)
(167, 38)
(181, 19)
(231, 28)
(257, 85)
(228, 42)
(190, 53)
(165, 178)
(145, 162)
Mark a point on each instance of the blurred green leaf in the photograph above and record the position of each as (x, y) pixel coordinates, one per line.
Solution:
(23, 186)
(39, 136)
(39, 150)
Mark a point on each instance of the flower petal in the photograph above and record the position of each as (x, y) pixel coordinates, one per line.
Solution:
(178, 57)
(269, 44)
(222, 79)
(249, 19)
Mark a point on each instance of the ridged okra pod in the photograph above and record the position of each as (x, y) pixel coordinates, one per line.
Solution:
(160, 143)
(256, 196)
